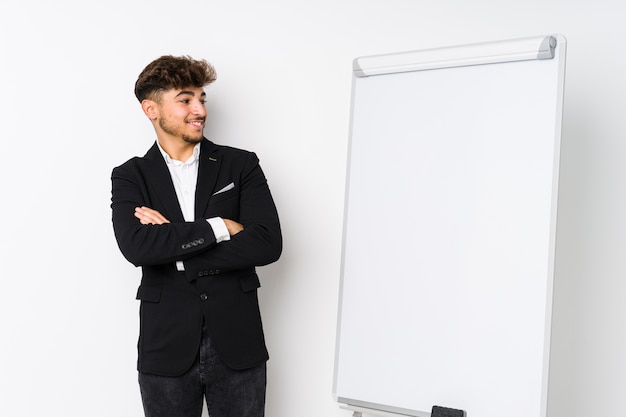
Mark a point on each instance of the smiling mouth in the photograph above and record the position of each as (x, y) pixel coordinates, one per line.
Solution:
(196, 123)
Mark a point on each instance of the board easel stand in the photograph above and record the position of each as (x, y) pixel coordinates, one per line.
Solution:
(437, 411)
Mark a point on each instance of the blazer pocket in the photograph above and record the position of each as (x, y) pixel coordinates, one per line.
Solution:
(224, 189)
(149, 293)
(249, 282)
(221, 197)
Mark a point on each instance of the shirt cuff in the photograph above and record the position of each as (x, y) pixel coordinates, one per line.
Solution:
(219, 229)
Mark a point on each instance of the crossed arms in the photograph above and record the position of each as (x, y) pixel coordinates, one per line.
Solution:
(146, 215)
(147, 236)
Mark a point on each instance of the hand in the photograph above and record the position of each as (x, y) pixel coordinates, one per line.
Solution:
(146, 215)
(233, 227)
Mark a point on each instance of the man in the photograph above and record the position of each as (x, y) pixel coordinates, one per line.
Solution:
(198, 218)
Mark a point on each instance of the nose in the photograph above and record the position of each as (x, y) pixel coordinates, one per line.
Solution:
(199, 108)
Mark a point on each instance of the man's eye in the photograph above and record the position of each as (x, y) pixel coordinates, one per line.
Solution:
(185, 101)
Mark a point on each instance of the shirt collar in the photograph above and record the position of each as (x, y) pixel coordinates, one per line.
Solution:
(193, 158)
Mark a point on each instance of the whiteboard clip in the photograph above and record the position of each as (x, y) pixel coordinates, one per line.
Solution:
(522, 49)
(446, 412)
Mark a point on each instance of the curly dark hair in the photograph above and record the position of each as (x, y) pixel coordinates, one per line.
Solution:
(169, 72)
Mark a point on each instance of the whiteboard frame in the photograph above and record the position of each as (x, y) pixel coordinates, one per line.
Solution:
(543, 47)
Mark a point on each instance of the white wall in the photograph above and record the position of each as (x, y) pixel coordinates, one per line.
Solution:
(68, 317)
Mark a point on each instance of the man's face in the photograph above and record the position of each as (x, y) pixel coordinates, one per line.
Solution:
(182, 114)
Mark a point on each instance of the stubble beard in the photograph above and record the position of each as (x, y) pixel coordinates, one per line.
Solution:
(170, 130)
(193, 140)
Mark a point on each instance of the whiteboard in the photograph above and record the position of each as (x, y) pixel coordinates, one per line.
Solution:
(450, 229)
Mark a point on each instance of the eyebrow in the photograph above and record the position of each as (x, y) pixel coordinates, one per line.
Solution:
(190, 93)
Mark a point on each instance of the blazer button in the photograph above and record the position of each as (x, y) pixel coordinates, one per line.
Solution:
(204, 297)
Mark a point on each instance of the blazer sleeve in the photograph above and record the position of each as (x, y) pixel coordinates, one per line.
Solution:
(259, 243)
(145, 245)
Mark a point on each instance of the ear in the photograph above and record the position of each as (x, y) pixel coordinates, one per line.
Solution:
(150, 108)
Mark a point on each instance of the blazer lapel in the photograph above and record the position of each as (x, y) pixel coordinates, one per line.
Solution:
(208, 168)
(158, 178)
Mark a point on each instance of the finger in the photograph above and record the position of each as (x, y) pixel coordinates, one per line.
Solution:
(157, 217)
(144, 218)
(147, 215)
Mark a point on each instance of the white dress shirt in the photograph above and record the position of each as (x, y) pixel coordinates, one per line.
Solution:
(185, 177)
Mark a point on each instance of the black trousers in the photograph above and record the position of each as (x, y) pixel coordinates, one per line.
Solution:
(228, 392)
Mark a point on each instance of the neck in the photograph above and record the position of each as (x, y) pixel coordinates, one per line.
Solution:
(178, 150)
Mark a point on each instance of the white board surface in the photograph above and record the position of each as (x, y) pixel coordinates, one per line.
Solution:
(449, 234)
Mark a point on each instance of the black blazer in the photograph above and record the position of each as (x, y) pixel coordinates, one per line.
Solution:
(219, 284)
